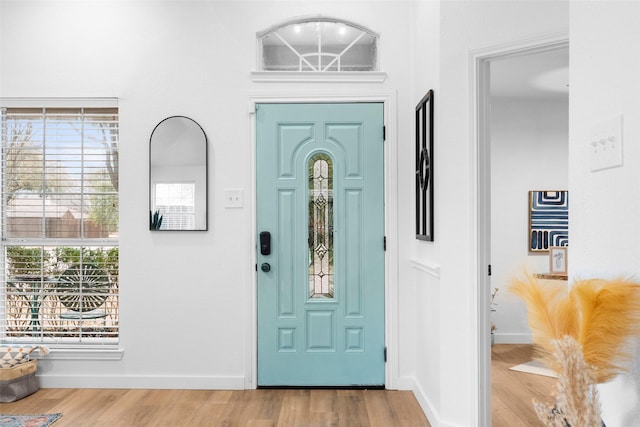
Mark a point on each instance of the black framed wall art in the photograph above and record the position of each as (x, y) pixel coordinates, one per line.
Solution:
(424, 168)
(548, 220)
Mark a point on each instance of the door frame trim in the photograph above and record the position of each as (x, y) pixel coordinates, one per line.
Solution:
(480, 121)
(388, 100)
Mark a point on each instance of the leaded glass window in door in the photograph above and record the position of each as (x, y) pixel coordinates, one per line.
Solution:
(320, 237)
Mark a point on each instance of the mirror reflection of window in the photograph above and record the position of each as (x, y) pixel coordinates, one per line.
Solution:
(178, 175)
(176, 202)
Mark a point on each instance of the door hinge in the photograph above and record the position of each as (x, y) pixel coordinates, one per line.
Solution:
(384, 133)
(489, 270)
(384, 243)
(385, 354)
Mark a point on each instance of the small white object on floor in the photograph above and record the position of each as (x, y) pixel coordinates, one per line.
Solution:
(534, 367)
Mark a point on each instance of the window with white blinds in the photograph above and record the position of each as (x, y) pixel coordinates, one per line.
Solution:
(59, 266)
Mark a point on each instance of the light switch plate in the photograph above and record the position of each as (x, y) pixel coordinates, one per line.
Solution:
(605, 144)
(233, 198)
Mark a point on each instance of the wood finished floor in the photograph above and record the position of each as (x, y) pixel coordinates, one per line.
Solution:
(245, 408)
(512, 393)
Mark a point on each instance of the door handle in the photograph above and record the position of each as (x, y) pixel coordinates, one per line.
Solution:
(266, 267)
(265, 243)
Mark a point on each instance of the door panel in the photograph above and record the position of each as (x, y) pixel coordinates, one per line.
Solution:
(319, 170)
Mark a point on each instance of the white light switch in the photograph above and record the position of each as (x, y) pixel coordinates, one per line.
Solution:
(605, 144)
(233, 198)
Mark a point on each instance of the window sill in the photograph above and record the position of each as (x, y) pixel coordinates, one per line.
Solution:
(319, 77)
(115, 353)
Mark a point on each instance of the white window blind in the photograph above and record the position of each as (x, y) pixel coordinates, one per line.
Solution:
(176, 202)
(59, 269)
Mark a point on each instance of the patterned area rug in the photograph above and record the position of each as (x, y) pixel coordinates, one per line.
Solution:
(41, 420)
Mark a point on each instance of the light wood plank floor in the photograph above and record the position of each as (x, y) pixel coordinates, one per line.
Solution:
(512, 392)
(246, 408)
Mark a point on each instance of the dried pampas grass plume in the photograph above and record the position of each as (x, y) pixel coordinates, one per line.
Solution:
(600, 315)
(581, 334)
(577, 403)
(551, 315)
(609, 313)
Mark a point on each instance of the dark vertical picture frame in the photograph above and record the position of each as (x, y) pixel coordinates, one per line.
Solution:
(548, 220)
(424, 168)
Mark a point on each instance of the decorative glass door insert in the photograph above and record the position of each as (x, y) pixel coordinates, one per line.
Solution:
(320, 226)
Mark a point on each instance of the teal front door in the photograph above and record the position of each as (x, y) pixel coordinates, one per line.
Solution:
(320, 252)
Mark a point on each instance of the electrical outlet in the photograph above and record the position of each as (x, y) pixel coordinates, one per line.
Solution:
(605, 144)
(233, 198)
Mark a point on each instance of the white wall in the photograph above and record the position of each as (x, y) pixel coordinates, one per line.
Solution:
(451, 298)
(529, 151)
(605, 205)
(185, 305)
(419, 269)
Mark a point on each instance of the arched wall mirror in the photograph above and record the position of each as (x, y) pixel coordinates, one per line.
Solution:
(178, 175)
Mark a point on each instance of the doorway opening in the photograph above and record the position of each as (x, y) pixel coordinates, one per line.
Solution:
(501, 146)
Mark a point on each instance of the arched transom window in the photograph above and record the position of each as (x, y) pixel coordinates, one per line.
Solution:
(318, 44)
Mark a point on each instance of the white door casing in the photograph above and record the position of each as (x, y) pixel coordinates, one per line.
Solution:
(392, 380)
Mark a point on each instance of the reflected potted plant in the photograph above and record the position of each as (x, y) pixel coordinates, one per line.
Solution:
(155, 220)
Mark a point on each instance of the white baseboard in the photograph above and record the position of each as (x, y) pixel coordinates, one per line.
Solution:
(426, 405)
(428, 408)
(138, 381)
(405, 383)
(512, 338)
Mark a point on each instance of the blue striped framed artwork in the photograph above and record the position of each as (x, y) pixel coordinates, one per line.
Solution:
(548, 220)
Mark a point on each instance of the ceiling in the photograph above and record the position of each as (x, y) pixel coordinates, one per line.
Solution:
(535, 75)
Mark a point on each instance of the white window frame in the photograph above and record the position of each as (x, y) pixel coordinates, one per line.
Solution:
(95, 349)
(319, 74)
